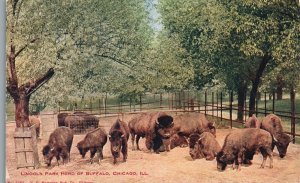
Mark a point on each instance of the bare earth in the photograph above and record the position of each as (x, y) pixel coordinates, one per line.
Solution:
(144, 166)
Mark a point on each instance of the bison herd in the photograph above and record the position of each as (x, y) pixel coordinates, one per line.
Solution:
(163, 132)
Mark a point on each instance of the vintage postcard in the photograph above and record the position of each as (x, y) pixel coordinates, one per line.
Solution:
(152, 91)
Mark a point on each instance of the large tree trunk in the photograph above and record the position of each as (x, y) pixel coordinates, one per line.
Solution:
(22, 110)
(279, 87)
(241, 101)
(256, 82)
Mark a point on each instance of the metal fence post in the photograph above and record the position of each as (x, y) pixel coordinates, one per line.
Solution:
(205, 101)
(212, 103)
(273, 103)
(221, 106)
(217, 104)
(293, 106)
(140, 102)
(265, 103)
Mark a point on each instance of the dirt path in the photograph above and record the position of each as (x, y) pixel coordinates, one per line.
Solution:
(143, 166)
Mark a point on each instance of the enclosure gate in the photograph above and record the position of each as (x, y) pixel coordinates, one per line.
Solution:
(26, 147)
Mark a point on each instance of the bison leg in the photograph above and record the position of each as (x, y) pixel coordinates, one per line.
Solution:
(137, 142)
(93, 152)
(124, 150)
(132, 140)
(100, 153)
(270, 154)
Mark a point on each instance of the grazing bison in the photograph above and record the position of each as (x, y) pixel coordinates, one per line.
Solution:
(187, 123)
(177, 140)
(93, 142)
(151, 126)
(272, 124)
(118, 137)
(252, 122)
(37, 124)
(245, 142)
(203, 145)
(59, 145)
(89, 120)
(61, 118)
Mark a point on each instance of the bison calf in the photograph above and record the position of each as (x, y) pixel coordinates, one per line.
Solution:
(59, 145)
(93, 142)
(118, 137)
(242, 142)
(203, 145)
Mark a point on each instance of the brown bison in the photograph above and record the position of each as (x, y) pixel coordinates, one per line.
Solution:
(272, 124)
(252, 122)
(151, 126)
(93, 142)
(61, 119)
(89, 120)
(178, 141)
(245, 142)
(37, 124)
(118, 137)
(203, 145)
(187, 123)
(59, 145)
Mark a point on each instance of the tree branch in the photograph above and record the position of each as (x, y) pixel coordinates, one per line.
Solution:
(25, 46)
(31, 86)
(119, 61)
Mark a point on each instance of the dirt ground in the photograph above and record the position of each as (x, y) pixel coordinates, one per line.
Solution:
(144, 166)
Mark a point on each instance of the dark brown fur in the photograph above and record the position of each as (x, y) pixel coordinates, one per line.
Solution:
(205, 145)
(59, 145)
(242, 142)
(118, 137)
(61, 119)
(93, 142)
(177, 140)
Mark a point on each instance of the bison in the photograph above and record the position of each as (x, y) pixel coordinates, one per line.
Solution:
(37, 124)
(89, 120)
(118, 137)
(185, 124)
(152, 127)
(252, 122)
(272, 124)
(203, 145)
(61, 119)
(59, 145)
(93, 142)
(178, 141)
(245, 142)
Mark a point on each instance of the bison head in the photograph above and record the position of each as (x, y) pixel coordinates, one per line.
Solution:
(223, 159)
(194, 144)
(164, 126)
(82, 150)
(49, 153)
(282, 142)
(115, 139)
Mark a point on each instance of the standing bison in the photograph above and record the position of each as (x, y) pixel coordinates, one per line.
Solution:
(187, 123)
(153, 126)
(93, 142)
(203, 145)
(59, 145)
(252, 122)
(241, 143)
(272, 124)
(118, 137)
(61, 119)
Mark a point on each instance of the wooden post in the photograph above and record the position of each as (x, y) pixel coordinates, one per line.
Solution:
(105, 104)
(217, 104)
(221, 106)
(172, 104)
(265, 103)
(273, 102)
(212, 103)
(293, 107)
(205, 101)
(140, 102)
(256, 106)
(230, 107)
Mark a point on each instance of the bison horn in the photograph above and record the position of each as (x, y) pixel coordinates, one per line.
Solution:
(275, 139)
(108, 136)
(123, 135)
(52, 149)
(199, 139)
(157, 122)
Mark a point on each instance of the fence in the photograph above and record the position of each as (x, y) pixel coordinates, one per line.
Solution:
(223, 105)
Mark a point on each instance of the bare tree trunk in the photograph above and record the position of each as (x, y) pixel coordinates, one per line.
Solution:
(241, 101)
(279, 87)
(256, 82)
